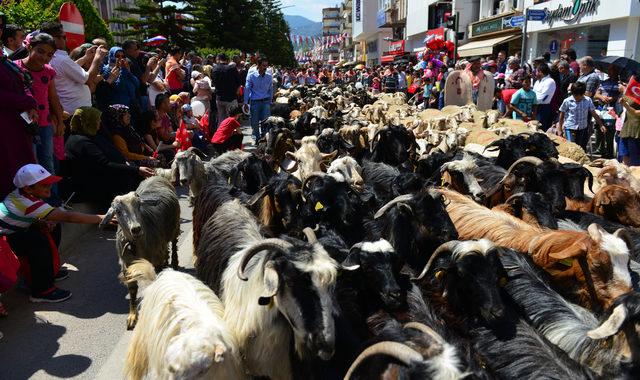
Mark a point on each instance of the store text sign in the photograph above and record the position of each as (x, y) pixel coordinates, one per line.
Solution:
(572, 13)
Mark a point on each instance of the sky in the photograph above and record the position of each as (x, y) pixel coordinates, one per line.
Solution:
(311, 9)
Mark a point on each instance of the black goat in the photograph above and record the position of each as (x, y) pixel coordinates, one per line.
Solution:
(305, 126)
(251, 174)
(330, 140)
(282, 110)
(393, 145)
(387, 182)
(415, 224)
(514, 147)
(531, 207)
(277, 205)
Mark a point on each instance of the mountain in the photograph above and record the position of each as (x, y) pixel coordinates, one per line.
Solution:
(303, 26)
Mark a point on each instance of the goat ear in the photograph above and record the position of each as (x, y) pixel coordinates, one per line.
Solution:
(572, 251)
(257, 196)
(612, 325)
(352, 262)
(107, 217)
(329, 156)
(596, 232)
(271, 281)
(290, 163)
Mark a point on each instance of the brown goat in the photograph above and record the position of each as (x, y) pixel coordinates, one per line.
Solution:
(590, 268)
(613, 202)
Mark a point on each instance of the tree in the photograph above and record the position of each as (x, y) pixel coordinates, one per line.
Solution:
(178, 25)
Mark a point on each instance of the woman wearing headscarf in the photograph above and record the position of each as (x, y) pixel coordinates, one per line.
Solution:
(97, 170)
(126, 139)
(16, 144)
(122, 90)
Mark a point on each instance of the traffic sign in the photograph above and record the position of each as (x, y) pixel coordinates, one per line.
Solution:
(516, 21)
(553, 46)
(536, 14)
(73, 25)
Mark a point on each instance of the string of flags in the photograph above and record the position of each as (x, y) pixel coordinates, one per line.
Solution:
(318, 42)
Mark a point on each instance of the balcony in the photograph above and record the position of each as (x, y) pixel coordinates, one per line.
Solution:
(388, 18)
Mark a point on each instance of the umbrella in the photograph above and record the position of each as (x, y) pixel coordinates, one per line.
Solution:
(359, 67)
(627, 65)
(155, 41)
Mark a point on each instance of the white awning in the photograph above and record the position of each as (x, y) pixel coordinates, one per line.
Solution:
(484, 47)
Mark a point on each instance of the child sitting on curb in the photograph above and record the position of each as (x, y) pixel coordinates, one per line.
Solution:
(23, 214)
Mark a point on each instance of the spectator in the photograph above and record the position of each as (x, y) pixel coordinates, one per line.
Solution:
(311, 78)
(226, 80)
(174, 73)
(16, 148)
(163, 106)
(142, 71)
(194, 127)
(151, 125)
(513, 81)
(629, 147)
(402, 80)
(202, 93)
(98, 171)
(126, 139)
(124, 85)
(375, 84)
(523, 103)
(570, 56)
(257, 95)
(502, 61)
(390, 80)
(228, 136)
(100, 42)
(476, 74)
(12, 38)
(567, 78)
(544, 88)
(574, 114)
(41, 49)
(24, 226)
(607, 97)
(588, 76)
(73, 82)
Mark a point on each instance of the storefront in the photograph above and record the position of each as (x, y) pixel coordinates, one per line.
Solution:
(590, 27)
(491, 35)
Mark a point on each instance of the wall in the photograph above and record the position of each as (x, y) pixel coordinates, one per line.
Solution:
(417, 17)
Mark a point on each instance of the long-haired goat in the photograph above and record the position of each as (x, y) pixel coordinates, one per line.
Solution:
(148, 219)
(613, 202)
(591, 267)
(181, 333)
(275, 292)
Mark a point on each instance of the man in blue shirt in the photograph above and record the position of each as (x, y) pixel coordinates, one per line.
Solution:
(258, 93)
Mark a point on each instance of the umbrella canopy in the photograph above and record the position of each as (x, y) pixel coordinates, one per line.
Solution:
(359, 67)
(626, 65)
(155, 41)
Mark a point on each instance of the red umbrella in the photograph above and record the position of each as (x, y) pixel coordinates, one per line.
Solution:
(155, 41)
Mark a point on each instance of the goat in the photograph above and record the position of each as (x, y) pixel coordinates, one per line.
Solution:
(307, 159)
(219, 169)
(415, 225)
(468, 277)
(392, 145)
(459, 175)
(613, 202)
(288, 296)
(181, 333)
(148, 219)
(348, 170)
(251, 174)
(330, 140)
(387, 182)
(572, 328)
(191, 170)
(278, 142)
(589, 267)
(617, 174)
(532, 208)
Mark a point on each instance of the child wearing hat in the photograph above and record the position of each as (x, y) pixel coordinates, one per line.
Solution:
(23, 214)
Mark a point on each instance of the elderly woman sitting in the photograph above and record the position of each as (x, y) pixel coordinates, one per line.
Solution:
(97, 170)
(126, 139)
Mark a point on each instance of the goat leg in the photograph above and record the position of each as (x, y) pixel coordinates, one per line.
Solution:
(174, 254)
(132, 319)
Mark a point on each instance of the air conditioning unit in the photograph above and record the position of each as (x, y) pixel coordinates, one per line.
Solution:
(504, 7)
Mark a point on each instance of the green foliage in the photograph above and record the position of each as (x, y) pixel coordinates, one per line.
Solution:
(204, 52)
(30, 14)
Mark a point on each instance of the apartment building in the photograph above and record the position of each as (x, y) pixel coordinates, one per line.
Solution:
(331, 22)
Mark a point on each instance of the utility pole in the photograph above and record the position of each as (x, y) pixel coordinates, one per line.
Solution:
(455, 27)
(524, 36)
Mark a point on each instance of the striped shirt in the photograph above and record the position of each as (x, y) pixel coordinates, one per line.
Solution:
(19, 211)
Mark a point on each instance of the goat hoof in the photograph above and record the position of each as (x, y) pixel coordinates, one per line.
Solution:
(131, 321)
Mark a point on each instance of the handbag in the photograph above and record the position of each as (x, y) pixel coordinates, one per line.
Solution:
(9, 265)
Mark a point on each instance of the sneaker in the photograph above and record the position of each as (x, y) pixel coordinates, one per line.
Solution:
(62, 274)
(56, 295)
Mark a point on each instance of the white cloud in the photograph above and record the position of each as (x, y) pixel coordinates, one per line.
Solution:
(311, 9)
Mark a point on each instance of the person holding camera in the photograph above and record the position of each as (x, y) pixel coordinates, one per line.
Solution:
(16, 147)
(123, 85)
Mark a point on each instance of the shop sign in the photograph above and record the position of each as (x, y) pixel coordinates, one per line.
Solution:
(358, 10)
(571, 14)
(396, 47)
(496, 25)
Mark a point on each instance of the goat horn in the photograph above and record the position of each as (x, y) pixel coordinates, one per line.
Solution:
(528, 159)
(267, 244)
(312, 175)
(398, 351)
(311, 236)
(424, 329)
(385, 208)
(446, 247)
(198, 152)
(513, 197)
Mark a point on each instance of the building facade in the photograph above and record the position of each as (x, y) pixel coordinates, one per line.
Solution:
(369, 39)
(346, 30)
(590, 27)
(107, 9)
(331, 23)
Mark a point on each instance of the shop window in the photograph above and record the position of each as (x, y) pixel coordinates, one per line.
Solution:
(584, 40)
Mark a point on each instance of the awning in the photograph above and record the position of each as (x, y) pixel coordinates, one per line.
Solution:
(387, 58)
(484, 47)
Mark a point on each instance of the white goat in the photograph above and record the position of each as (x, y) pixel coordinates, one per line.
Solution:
(347, 169)
(181, 333)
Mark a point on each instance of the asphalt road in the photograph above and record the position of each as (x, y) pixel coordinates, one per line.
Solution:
(84, 337)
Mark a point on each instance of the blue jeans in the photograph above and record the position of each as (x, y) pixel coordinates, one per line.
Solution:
(545, 116)
(259, 111)
(43, 148)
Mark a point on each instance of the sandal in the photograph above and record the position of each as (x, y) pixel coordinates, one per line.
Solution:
(3, 311)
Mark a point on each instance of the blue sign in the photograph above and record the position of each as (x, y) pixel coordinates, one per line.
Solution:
(380, 19)
(553, 46)
(516, 21)
(536, 14)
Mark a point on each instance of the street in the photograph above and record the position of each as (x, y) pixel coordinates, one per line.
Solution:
(84, 337)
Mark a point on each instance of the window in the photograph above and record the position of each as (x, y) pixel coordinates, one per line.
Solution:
(372, 47)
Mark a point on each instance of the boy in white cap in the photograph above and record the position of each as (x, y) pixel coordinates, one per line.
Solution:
(22, 214)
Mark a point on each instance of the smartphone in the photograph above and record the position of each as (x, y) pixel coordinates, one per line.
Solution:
(25, 116)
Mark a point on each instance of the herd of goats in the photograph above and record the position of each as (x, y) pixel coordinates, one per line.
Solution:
(368, 239)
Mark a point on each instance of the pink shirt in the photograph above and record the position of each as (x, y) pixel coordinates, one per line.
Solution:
(40, 90)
